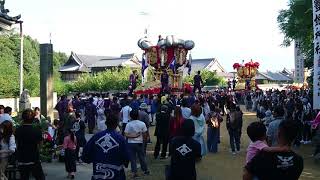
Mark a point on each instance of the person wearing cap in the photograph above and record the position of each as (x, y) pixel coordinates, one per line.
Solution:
(162, 132)
(144, 117)
(136, 133)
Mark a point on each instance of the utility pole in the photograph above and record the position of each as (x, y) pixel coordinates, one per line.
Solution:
(21, 57)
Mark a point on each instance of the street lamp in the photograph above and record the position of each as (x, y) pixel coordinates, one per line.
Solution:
(21, 57)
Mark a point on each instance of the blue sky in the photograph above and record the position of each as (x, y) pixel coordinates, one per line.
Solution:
(227, 30)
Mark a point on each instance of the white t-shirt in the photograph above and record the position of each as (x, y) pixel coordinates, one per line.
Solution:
(95, 101)
(136, 127)
(11, 146)
(5, 117)
(126, 114)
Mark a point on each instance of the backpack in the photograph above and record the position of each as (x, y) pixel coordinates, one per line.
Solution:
(235, 119)
(214, 120)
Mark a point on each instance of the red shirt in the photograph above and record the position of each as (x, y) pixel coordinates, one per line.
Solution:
(175, 126)
(69, 144)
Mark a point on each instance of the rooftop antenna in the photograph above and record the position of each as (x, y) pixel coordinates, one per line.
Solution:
(146, 32)
(50, 37)
(145, 14)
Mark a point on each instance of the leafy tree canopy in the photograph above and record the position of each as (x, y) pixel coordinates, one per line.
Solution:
(10, 61)
(111, 79)
(296, 24)
(209, 78)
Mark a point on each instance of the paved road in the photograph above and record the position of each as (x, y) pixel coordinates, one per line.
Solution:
(56, 171)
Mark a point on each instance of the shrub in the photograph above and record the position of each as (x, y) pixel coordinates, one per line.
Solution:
(209, 78)
(111, 79)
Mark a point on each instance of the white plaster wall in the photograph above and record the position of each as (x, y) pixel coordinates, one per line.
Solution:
(14, 102)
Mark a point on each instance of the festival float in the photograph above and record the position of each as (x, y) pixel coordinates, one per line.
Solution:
(246, 74)
(170, 55)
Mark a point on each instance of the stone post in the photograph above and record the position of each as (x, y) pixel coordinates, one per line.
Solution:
(24, 102)
(46, 80)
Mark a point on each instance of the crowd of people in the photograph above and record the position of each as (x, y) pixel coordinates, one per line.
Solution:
(172, 114)
(121, 124)
(20, 144)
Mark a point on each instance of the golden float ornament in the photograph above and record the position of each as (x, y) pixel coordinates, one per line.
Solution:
(246, 73)
(160, 56)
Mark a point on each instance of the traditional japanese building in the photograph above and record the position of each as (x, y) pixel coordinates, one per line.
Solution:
(269, 77)
(210, 64)
(79, 64)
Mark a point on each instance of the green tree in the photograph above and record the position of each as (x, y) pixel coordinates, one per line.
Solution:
(209, 78)
(9, 76)
(10, 61)
(59, 86)
(112, 79)
(296, 23)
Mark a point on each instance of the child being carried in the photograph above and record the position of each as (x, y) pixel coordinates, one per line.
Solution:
(257, 133)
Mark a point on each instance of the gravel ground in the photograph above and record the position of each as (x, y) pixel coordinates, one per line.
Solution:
(220, 166)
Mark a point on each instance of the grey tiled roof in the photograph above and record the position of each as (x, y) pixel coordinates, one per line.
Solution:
(198, 65)
(276, 76)
(109, 62)
(88, 60)
(83, 63)
(261, 76)
(127, 55)
(225, 75)
(286, 71)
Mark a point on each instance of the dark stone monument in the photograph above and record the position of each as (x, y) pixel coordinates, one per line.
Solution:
(24, 102)
(7, 21)
(46, 80)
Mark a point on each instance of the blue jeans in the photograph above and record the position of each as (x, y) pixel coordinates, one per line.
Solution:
(161, 141)
(234, 139)
(137, 149)
(212, 139)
